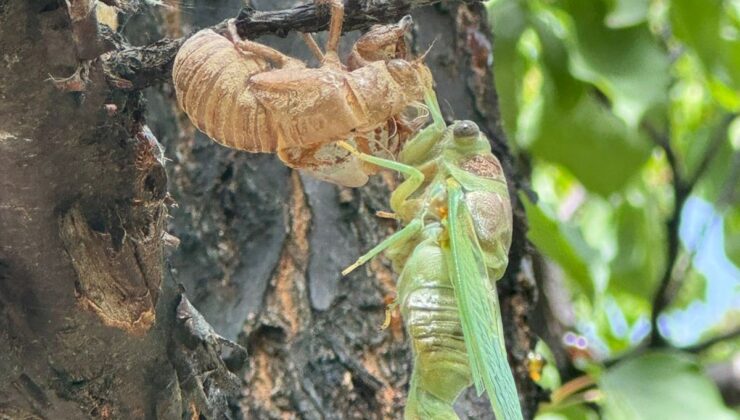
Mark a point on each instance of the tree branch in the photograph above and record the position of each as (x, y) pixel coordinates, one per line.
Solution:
(151, 64)
(699, 347)
(682, 187)
(661, 298)
(359, 14)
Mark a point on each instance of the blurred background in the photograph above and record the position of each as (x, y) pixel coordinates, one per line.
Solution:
(626, 112)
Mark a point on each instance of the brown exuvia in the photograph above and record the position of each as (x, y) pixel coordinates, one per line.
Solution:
(251, 97)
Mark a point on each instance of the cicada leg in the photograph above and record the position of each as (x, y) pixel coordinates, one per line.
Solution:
(313, 46)
(414, 177)
(430, 99)
(386, 215)
(279, 59)
(335, 26)
(327, 162)
(399, 237)
(331, 58)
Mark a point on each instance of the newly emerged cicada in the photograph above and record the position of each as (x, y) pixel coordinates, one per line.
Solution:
(455, 207)
(251, 97)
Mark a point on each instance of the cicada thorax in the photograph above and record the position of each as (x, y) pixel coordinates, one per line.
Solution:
(487, 199)
(491, 208)
(211, 82)
(318, 106)
(484, 165)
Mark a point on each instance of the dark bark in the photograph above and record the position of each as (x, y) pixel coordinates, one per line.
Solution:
(89, 324)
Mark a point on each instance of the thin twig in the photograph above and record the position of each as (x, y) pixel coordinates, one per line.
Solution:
(680, 193)
(699, 347)
(682, 187)
(716, 142)
(309, 17)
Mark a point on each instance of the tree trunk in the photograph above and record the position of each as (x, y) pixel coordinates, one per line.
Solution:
(98, 319)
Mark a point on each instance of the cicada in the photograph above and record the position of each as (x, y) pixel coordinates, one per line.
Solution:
(456, 212)
(251, 97)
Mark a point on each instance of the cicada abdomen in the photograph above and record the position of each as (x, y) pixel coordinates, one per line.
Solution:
(211, 78)
(430, 313)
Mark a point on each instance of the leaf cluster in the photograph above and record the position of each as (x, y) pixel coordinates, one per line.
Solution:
(628, 110)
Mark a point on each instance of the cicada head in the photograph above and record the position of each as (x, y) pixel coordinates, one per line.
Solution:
(414, 77)
(467, 137)
(382, 43)
(467, 142)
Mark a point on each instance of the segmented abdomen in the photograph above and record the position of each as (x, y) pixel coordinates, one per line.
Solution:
(211, 81)
(432, 320)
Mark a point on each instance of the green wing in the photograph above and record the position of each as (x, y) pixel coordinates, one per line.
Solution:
(479, 311)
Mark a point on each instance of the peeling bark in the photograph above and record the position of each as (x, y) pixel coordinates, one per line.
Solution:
(121, 285)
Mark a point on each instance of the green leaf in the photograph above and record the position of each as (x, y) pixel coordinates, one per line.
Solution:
(627, 64)
(555, 59)
(661, 385)
(508, 21)
(589, 141)
(732, 235)
(639, 263)
(549, 237)
(700, 24)
(578, 132)
(626, 13)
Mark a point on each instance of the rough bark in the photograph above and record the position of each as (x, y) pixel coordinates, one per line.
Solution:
(96, 321)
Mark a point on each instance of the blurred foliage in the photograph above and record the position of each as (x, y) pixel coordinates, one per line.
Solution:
(676, 390)
(595, 93)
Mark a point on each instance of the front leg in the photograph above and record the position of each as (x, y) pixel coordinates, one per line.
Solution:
(313, 46)
(331, 57)
(272, 55)
(414, 177)
(421, 148)
(397, 238)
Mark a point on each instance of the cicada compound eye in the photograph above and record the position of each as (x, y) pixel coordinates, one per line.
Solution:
(465, 130)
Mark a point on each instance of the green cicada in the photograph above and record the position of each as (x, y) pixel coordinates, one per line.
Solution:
(455, 206)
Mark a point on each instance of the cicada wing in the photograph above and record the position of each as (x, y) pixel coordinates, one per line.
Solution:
(479, 310)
